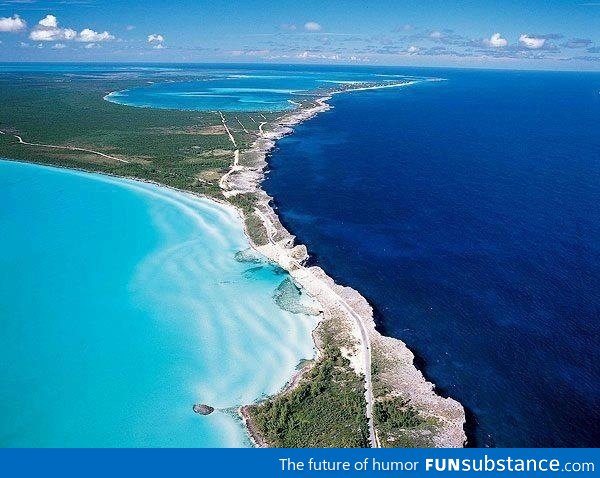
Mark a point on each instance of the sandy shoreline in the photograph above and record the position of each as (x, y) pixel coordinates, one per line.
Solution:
(337, 301)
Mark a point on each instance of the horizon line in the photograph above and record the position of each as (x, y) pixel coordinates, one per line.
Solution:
(140, 62)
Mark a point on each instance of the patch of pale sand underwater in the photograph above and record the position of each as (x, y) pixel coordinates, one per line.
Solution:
(248, 347)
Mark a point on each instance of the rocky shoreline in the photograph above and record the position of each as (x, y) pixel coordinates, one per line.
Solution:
(398, 373)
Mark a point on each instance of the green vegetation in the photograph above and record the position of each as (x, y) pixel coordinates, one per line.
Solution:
(246, 202)
(380, 388)
(254, 226)
(255, 229)
(187, 150)
(183, 149)
(327, 408)
(399, 425)
(396, 413)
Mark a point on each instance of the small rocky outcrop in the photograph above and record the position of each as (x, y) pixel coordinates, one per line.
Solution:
(202, 409)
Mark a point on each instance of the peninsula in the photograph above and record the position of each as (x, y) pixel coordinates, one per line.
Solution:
(362, 389)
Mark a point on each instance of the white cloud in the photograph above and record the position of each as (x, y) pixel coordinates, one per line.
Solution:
(312, 27)
(87, 35)
(52, 34)
(90, 45)
(531, 42)
(48, 29)
(130, 27)
(308, 55)
(436, 34)
(12, 24)
(496, 41)
(412, 49)
(59, 46)
(49, 21)
(69, 34)
(156, 38)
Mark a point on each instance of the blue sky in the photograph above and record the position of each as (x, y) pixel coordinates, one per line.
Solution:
(550, 34)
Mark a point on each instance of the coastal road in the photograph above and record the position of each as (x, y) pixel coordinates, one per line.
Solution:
(366, 350)
(234, 167)
(236, 155)
(365, 342)
(231, 138)
(364, 335)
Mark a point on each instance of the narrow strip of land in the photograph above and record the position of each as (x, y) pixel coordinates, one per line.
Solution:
(364, 335)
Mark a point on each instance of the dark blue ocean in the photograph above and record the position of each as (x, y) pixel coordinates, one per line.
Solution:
(468, 213)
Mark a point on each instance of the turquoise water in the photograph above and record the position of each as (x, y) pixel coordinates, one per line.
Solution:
(244, 90)
(121, 305)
